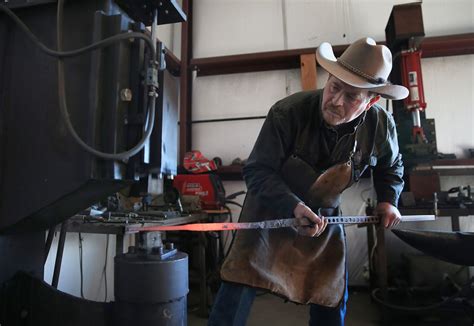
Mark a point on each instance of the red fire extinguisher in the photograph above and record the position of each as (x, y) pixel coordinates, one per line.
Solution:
(413, 80)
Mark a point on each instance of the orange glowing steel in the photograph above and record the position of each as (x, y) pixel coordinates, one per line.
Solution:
(270, 224)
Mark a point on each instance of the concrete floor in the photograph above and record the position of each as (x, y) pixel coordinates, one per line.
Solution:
(271, 310)
(361, 311)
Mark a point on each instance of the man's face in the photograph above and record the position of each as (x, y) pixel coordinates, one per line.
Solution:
(343, 103)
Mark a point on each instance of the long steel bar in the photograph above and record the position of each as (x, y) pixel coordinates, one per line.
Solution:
(270, 224)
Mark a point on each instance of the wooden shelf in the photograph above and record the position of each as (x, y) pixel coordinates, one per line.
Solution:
(450, 167)
(230, 172)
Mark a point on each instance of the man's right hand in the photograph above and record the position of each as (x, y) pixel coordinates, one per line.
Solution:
(302, 211)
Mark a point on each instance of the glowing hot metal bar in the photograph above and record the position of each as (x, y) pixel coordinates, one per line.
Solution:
(271, 224)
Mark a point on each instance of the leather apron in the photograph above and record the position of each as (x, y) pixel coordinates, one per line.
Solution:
(300, 268)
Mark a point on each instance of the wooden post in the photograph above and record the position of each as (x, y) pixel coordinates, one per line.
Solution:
(308, 71)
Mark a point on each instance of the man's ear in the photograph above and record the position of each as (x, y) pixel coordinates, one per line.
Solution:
(372, 101)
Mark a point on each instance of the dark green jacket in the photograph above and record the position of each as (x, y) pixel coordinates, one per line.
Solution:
(294, 126)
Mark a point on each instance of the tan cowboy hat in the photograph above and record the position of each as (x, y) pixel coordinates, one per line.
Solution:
(363, 64)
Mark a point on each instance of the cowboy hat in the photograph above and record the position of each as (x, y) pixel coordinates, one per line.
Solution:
(364, 64)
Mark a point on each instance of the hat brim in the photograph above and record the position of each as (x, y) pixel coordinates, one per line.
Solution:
(328, 61)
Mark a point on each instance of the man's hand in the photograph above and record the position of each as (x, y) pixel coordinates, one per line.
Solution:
(302, 211)
(389, 214)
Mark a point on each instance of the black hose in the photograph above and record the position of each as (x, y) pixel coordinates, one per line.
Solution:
(409, 309)
(66, 54)
(60, 55)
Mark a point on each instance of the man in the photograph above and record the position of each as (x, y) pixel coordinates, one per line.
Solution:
(312, 146)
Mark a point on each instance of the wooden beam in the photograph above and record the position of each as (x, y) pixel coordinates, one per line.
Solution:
(185, 113)
(263, 61)
(443, 46)
(290, 59)
(173, 64)
(308, 71)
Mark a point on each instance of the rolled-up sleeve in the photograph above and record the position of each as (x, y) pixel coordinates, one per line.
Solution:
(261, 173)
(388, 173)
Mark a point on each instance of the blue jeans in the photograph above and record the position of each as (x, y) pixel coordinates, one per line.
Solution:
(233, 302)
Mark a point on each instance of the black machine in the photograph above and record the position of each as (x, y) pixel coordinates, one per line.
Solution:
(81, 96)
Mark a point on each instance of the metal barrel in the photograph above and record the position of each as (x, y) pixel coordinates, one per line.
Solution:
(151, 289)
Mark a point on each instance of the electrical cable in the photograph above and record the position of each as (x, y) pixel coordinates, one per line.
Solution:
(233, 203)
(363, 192)
(372, 254)
(63, 105)
(80, 265)
(104, 272)
(236, 194)
(231, 234)
(404, 308)
(225, 242)
(61, 82)
(66, 54)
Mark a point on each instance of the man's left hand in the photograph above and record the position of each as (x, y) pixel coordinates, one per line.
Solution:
(389, 214)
